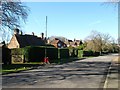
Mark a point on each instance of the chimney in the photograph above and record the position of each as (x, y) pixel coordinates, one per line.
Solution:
(42, 35)
(74, 39)
(48, 40)
(16, 31)
(33, 33)
(56, 39)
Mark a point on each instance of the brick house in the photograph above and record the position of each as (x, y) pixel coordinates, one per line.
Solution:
(20, 40)
(74, 43)
(58, 43)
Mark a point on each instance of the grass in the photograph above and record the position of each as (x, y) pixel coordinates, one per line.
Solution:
(18, 67)
(26, 66)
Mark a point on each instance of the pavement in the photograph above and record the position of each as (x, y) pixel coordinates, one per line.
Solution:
(113, 76)
(85, 73)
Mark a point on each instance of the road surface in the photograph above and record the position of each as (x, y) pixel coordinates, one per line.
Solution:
(85, 73)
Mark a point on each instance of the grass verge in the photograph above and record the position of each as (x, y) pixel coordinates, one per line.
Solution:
(18, 67)
(6, 69)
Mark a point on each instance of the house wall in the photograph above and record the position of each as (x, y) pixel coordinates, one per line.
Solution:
(13, 43)
(55, 45)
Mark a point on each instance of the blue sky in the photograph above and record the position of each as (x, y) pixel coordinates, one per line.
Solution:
(71, 19)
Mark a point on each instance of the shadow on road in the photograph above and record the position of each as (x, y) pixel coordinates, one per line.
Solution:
(69, 71)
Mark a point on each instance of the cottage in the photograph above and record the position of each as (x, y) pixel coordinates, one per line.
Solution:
(58, 43)
(20, 40)
(74, 43)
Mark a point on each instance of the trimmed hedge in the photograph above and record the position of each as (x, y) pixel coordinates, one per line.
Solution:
(90, 53)
(80, 53)
(18, 51)
(87, 53)
(63, 53)
(6, 55)
(52, 54)
(73, 52)
(36, 54)
(96, 53)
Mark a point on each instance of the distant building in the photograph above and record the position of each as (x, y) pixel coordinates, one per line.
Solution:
(74, 43)
(58, 43)
(19, 40)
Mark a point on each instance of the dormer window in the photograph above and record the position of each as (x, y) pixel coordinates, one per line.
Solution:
(59, 44)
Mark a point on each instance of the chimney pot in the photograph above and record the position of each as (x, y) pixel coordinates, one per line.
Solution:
(16, 31)
(42, 35)
(33, 33)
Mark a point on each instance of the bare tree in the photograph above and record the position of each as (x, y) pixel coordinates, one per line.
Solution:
(12, 14)
(98, 41)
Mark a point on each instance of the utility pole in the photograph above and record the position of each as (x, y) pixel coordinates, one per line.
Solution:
(46, 39)
(46, 59)
(46, 29)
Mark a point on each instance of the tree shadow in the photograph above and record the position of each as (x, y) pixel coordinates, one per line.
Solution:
(77, 70)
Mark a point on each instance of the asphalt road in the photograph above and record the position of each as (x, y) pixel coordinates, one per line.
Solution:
(85, 73)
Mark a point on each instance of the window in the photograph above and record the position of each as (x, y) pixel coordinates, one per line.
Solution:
(59, 44)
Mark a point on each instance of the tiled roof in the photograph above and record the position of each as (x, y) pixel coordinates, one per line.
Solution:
(54, 41)
(70, 41)
(29, 40)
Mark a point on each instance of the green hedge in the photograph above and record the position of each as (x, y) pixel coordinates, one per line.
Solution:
(6, 55)
(18, 51)
(73, 52)
(90, 53)
(96, 53)
(52, 54)
(80, 53)
(36, 54)
(63, 53)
